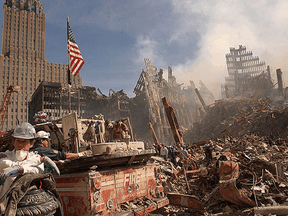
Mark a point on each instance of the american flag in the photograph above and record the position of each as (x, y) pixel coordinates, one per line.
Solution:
(76, 60)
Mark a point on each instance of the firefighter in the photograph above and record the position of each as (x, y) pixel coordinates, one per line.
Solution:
(41, 147)
(208, 152)
(20, 160)
(184, 151)
(169, 152)
(173, 156)
(121, 128)
(164, 152)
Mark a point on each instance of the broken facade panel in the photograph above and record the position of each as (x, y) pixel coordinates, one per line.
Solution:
(241, 65)
(150, 89)
(280, 82)
(209, 97)
(52, 98)
(145, 107)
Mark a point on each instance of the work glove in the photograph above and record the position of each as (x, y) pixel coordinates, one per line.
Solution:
(8, 172)
(51, 165)
(85, 153)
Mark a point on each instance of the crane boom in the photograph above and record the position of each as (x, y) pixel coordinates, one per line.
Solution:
(5, 103)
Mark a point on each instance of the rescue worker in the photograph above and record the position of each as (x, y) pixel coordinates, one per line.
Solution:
(169, 151)
(164, 152)
(20, 160)
(109, 130)
(121, 128)
(173, 156)
(41, 147)
(90, 133)
(158, 149)
(208, 152)
(184, 151)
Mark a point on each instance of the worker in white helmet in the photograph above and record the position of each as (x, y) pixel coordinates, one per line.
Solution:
(20, 160)
(41, 148)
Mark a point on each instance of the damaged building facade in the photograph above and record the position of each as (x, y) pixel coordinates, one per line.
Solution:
(145, 107)
(151, 87)
(52, 98)
(247, 76)
(22, 58)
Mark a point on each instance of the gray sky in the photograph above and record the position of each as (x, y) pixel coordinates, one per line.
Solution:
(114, 37)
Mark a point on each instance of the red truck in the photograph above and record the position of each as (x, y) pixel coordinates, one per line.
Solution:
(115, 191)
(118, 179)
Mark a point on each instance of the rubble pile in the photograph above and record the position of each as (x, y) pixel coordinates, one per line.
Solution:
(247, 176)
(240, 117)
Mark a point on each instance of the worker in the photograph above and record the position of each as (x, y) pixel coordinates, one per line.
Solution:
(41, 147)
(184, 151)
(169, 151)
(173, 156)
(90, 134)
(164, 152)
(122, 129)
(20, 160)
(109, 130)
(208, 152)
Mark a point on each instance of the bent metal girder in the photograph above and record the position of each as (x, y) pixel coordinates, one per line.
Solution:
(177, 134)
(229, 173)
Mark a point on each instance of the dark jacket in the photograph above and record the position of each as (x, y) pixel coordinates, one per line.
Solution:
(51, 153)
(21, 185)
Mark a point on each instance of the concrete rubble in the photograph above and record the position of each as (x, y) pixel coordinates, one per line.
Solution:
(248, 174)
(262, 178)
(240, 117)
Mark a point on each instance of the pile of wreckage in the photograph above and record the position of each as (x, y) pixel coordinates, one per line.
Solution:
(247, 176)
(239, 117)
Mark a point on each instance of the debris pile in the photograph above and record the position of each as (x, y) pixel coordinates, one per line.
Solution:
(247, 176)
(240, 117)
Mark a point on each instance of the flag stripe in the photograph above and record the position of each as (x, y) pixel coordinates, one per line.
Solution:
(76, 60)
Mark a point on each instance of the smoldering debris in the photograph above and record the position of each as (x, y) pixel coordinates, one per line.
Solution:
(247, 175)
(240, 117)
(248, 172)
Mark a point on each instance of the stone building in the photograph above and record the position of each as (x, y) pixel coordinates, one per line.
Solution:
(22, 58)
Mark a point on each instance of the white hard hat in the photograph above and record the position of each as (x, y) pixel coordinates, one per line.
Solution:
(43, 135)
(24, 131)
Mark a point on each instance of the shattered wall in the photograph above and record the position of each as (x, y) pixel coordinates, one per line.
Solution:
(145, 107)
(241, 66)
(52, 98)
(150, 89)
(262, 117)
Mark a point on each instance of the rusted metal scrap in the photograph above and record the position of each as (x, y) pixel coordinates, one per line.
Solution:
(229, 173)
(171, 115)
(155, 139)
(201, 99)
(241, 116)
(177, 134)
(271, 210)
(185, 200)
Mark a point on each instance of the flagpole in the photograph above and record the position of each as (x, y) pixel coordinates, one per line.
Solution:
(68, 75)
